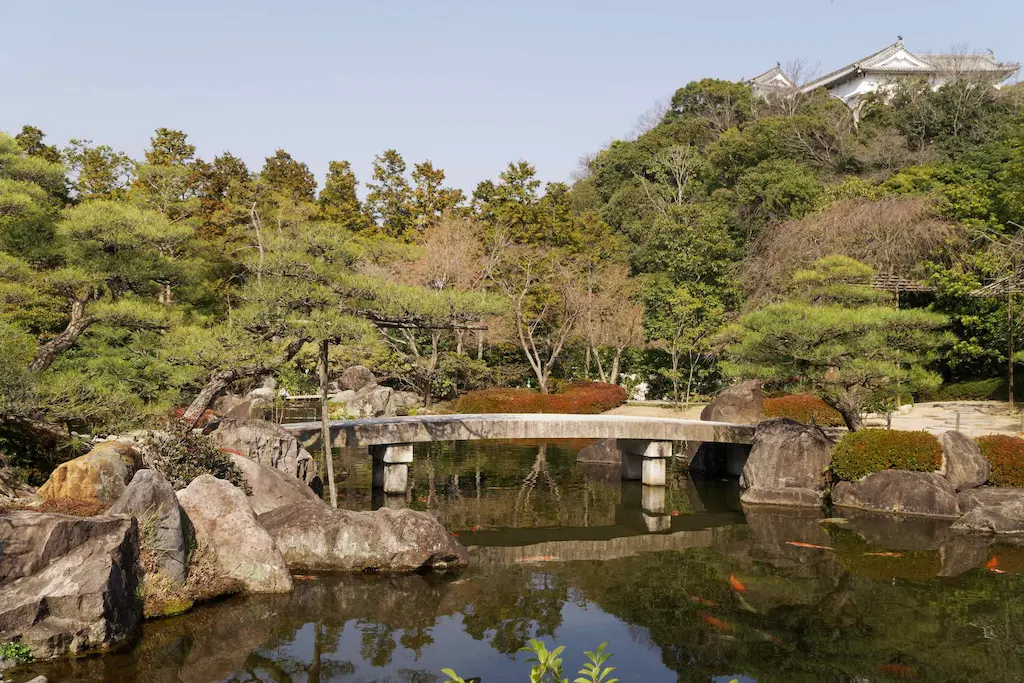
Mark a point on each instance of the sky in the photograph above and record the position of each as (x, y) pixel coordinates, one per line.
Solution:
(468, 84)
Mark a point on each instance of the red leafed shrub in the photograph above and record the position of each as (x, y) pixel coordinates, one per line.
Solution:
(581, 398)
(803, 407)
(1006, 455)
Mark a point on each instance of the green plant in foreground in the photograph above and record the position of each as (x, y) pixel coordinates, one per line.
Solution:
(547, 666)
(18, 653)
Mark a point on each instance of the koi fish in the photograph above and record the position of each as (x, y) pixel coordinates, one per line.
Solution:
(883, 554)
(702, 601)
(899, 671)
(993, 563)
(839, 521)
(303, 577)
(746, 605)
(771, 639)
(475, 528)
(458, 582)
(736, 585)
(716, 623)
(675, 513)
(536, 558)
(453, 533)
(422, 499)
(801, 544)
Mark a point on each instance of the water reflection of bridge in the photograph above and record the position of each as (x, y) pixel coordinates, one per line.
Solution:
(645, 442)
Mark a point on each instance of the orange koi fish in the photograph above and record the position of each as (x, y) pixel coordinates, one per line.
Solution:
(536, 558)
(771, 639)
(702, 601)
(801, 544)
(422, 499)
(883, 554)
(475, 528)
(993, 563)
(736, 585)
(675, 513)
(303, 577)
(715, 623)
(903, 671)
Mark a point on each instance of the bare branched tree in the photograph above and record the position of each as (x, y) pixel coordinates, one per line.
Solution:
(893, 235)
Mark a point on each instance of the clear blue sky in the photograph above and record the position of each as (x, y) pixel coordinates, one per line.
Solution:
(468, 84)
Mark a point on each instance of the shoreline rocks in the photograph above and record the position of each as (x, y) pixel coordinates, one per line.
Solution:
(68, 585)
(225, 523)
(787, 464)
(962, 462)
(271, 488)
(924, 494)
(311, 539)
(992, 510)
(150, 498)
(99, 476)
(267, 443)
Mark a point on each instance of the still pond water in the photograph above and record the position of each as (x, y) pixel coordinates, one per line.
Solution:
(563, 552)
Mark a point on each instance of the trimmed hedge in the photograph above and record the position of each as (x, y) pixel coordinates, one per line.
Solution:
(580, 398)
(977, 390)
(858, 454)
(802, 407)
(1006, 455)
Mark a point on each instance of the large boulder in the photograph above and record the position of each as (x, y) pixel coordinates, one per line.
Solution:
(225, 523)
(787, 464)
(993, 510)
(68, 585)
(372, 401)
(340, 540)
(271, 488)
(268, 444)
(356, 378)
(924, 494)
(605, 451)
(100, 475)
(742, 403)
(165, 529)
(962, 462)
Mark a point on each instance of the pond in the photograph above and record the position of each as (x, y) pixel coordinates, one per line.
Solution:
(563, 552)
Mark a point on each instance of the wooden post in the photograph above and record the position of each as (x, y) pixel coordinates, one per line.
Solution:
(958, 420)
(1009, 330)
(325, 423)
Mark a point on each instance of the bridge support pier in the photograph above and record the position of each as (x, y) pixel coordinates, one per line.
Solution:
(645, 460)
(391, 467)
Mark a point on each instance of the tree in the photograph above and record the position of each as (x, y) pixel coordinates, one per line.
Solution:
(430, 199)
(611, 319)
(722, 104)
(840, 337)
(97, 172)
(338, 201)
(682, 325)
(389, 197)
(30, 139)
(544, 295)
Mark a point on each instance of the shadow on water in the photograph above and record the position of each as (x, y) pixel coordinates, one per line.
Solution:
(564, 553)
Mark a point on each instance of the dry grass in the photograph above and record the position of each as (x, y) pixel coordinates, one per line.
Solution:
(61, 506)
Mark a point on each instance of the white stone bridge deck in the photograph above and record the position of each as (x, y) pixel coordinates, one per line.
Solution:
(380, 431)
(645, 442)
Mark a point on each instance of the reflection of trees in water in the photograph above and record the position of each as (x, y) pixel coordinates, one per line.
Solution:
(520, 604)
(279, 666)
(537, 470)
(377, 642)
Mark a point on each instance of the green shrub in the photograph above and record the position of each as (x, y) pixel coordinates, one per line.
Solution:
(803, 408)
(182, 454)
(581, 398)
(978, 390)
(16, 653)
(1006, 455)
(872, 450)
